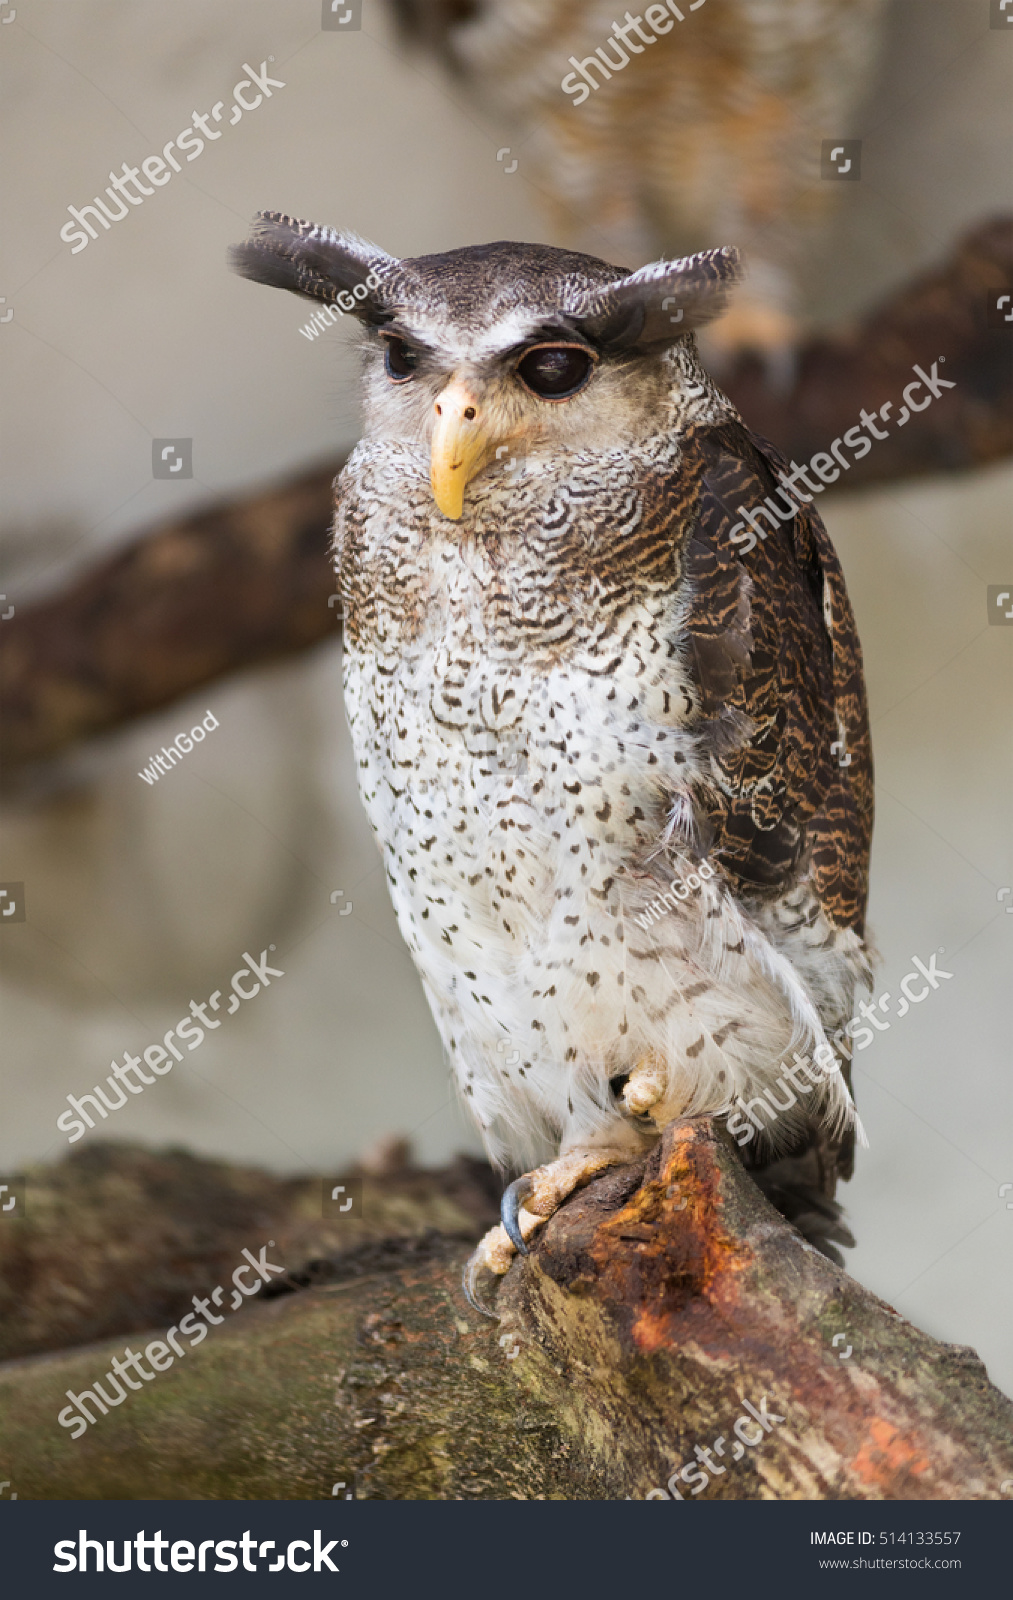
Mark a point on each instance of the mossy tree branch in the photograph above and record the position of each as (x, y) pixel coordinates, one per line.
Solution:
(667, 1319)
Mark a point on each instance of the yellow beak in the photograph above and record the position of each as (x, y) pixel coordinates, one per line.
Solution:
(461, 446)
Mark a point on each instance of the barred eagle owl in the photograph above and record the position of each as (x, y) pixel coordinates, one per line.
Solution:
(598, 722)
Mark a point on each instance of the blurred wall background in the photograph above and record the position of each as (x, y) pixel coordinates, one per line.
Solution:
(141, 898)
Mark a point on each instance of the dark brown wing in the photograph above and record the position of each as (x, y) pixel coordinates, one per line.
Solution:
(778, 666)
(777, 662)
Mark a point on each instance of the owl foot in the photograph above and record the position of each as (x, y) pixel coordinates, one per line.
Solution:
(646, 1085)
(527, 1203)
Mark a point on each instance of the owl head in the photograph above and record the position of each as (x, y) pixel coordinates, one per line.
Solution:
(498, 348)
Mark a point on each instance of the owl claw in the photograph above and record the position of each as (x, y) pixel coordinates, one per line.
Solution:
(509, 1208)
(469, 1283)
(545, 1189)
(491, 1259)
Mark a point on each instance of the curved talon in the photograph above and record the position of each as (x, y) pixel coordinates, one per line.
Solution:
(513, 1197)
(469, 1283)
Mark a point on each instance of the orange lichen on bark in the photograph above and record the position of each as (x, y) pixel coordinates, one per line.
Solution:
(886, 1454)
(668, 1244)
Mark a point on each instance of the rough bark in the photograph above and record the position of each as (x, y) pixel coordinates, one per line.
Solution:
(118, 1238)
(659, 1302)
(660, 1305)
(246, 583)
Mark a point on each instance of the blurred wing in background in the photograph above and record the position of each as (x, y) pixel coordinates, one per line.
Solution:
(709, 134)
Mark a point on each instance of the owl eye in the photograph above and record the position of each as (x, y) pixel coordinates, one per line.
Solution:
(399, 360)
(555, 372)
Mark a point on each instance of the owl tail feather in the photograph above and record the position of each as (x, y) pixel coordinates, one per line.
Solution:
(788, 1185)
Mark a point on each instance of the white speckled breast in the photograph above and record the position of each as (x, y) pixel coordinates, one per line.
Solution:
(523, 729)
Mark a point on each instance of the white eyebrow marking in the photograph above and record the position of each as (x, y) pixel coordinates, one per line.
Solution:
(515, 327)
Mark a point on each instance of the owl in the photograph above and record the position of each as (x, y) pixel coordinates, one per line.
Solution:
(606, 700)
(676, 128)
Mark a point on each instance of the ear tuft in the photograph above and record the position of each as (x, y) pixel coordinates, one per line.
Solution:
(662, 301)
(320, 263)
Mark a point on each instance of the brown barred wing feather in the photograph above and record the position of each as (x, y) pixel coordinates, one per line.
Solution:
(773, 648)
